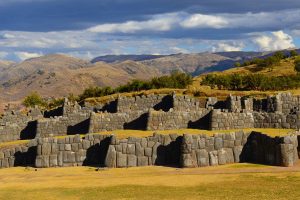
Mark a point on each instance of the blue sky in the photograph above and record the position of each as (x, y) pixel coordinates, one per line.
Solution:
(89, 28)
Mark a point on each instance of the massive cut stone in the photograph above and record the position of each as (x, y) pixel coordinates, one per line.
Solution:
(287, 153)
(202, 157)
(142, 160)
(121, 160)
(131, 160)
(213, 158)
(111, 157)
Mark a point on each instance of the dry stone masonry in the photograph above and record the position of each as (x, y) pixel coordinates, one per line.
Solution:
(153, 112)
(163, 150)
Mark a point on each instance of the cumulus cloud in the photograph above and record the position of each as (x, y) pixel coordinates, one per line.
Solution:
(204, 21)
(27, 55)
(223, 46)
(275, 41)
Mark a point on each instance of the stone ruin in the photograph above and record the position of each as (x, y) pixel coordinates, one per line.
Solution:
(153, 112)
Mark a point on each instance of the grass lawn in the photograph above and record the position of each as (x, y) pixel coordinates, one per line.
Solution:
(236, 181)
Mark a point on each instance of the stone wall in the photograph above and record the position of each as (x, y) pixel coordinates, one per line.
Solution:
(276, 120)
(144, 103)
(72, 151)
(231, 120)
(166, 150)
(173, 119)
(239, 104)
(201, 150)
(154, 150)
(18, 125)
(118, 121)
(73, 123)
(284, 103)
(18, 155)
(187, 103)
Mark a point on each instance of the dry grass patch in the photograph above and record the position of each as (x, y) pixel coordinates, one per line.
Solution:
(137, 133)
(222, 182)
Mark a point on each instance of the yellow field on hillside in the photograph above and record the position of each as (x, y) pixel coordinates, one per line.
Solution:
(285, 68)
(236, 181)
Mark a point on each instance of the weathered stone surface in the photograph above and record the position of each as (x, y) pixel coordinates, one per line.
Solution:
(121, 160)
(132, 160)
(142, 161)
(202, 157)
(287, 153)
(213, 158)
(111, 157)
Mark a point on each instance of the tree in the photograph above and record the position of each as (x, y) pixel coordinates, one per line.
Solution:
(297, 65)
(293, 53)
(34, 99)
(237, 64)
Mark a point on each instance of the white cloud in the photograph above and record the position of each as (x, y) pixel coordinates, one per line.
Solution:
(163, 22)
(204, 21)
(275, 41)
(223, 46)
(27, 55)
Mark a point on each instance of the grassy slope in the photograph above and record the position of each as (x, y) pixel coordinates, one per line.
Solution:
(137, 133)
(286, 67)
(234, 181)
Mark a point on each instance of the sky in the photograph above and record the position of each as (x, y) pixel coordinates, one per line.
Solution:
(91, 28)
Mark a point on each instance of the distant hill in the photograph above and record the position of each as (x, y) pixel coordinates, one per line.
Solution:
(194, 64)
(58, 75)
(5, 64)
(121, 58)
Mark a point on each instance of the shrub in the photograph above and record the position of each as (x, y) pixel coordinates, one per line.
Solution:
(297, 64)
(175, 80)
(252, 82)
(34, 99)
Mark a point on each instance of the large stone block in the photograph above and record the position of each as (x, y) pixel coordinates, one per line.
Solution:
(202, 157)
(46, 149)
(148, 152)
(131, 160)
(131, 148)
(218, 143)
(213, 158)
(237, 151)
(121, 160)
(287, 153)
(111, 157)
(53, 161)
(142, 161)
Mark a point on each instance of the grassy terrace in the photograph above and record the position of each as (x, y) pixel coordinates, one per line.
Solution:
(235, 181)
(137, 133)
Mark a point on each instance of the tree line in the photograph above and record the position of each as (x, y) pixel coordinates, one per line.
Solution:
(176, 80)
(270, 61)
(252, 82)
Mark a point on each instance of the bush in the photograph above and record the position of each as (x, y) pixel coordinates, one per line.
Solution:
(34, 99)
(252, 82)
(297, 64)
(175, 80)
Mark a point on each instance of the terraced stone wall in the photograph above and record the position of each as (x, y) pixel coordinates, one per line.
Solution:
(221, 149)
(72, 151)
(231, 120)
(18, 155)
(153, 150)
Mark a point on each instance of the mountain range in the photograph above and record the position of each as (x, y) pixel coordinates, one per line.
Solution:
(57, 75)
